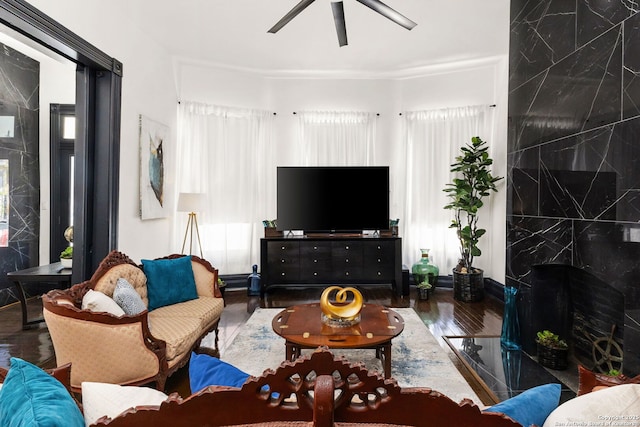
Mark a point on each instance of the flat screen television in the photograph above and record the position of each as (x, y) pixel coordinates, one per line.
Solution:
(333, 199)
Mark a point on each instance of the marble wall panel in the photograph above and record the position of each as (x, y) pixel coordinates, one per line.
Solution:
(542, 33)
(19, 97)
(532, 241)
(524, 178)
(592, 175)
(631, 75)
(19, 79)
(608, 251)
(581, 92)
(597, 16)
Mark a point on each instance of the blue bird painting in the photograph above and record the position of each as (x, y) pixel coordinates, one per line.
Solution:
(156, 169)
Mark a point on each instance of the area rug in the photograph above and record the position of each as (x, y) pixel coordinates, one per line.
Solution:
(417, 360)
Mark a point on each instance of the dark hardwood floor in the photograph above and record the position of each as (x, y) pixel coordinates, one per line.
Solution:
(443, 315)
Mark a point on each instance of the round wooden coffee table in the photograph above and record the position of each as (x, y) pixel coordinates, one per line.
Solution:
(301, 327)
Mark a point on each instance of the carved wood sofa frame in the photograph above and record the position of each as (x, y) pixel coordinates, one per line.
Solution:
(317, 390)
(57, 302)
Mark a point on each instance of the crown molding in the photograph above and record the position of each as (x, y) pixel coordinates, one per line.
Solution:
(398, 74)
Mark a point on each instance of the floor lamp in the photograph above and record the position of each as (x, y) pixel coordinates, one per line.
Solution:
(191, 202)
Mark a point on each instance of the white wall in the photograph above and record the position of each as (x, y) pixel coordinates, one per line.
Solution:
(148, 88)
(457, 85)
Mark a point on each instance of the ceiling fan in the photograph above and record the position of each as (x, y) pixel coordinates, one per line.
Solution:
(338, 16)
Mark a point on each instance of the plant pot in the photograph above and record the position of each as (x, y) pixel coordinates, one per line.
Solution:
(468, 287)
(423, 293)
(551, 357)
(66, 262)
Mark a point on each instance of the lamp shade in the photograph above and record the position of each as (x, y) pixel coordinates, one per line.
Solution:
(190, 202)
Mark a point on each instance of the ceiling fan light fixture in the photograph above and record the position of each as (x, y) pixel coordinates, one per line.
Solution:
(337, 8)
(389, 13)
(290, 15)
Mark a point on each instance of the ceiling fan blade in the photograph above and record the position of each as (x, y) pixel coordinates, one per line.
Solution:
(388, 12)
(341, 26)
(289, 16)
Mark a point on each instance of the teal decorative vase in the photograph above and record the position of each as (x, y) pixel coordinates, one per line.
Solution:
(510, 336)
(423, 270)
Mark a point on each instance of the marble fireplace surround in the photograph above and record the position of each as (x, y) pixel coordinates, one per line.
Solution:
(573, 187)
(579, 307)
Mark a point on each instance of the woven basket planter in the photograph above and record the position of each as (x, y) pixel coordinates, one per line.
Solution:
(468, 287)
(553, 358)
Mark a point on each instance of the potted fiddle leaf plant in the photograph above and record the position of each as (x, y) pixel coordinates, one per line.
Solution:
(473, 182)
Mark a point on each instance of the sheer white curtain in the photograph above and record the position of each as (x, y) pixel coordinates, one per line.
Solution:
(336, 138)
(433, 140)
(226, 154)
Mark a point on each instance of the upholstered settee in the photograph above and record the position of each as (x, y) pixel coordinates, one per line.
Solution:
(176, 302)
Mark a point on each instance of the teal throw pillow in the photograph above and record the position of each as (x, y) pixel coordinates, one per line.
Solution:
(30, 397)
(532, 406)
(205, 370)
(127, 298)
(169, 281)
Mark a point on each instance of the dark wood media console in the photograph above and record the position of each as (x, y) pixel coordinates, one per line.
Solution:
(321, 260)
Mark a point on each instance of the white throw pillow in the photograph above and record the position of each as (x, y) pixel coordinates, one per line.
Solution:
(100, 399)
(618, 404)
(99, 302)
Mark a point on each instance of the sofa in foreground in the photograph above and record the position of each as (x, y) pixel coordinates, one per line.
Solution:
(316, 390)
(132, 324)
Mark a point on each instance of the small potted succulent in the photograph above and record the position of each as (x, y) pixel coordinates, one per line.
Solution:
(424, 289)
(552, 351)
(66, 257)
(222, 285)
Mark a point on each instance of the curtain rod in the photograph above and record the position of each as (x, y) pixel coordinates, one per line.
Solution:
(295, 112)
(180, 102)
(490, 106)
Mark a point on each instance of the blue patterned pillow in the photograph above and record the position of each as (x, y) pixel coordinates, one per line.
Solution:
(127, 298)
(30, 397)
(532, 406)
(169, 281)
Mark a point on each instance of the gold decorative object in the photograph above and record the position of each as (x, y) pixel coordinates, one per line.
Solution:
(344, 313)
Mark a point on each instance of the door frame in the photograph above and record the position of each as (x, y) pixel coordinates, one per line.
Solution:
(98, 111)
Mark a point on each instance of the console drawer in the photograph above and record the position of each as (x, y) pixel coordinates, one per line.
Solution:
(315, 262)
(347, 260)
(284, 261)
(380, 258)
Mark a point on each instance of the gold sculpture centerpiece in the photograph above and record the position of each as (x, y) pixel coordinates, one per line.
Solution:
(344, 312)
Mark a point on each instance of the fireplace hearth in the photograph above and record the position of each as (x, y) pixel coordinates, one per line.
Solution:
(584, 310)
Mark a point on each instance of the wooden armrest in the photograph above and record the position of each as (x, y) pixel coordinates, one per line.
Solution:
(61, 373)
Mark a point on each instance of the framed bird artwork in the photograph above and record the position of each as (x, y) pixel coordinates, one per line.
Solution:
(153, 136)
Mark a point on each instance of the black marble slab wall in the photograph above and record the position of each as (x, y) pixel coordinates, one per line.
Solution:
(574, 147)
(19, 98)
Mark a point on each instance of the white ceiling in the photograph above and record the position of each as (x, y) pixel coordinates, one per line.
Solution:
(233, 33)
